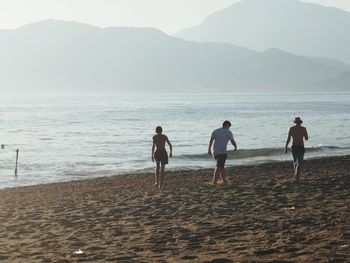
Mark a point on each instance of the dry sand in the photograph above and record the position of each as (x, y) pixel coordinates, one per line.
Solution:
(261, 216)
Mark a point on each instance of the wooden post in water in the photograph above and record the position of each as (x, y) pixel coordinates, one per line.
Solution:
(17, 151)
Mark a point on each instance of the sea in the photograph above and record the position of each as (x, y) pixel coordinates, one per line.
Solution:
(72, 137)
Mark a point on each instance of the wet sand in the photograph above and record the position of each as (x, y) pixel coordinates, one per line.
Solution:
(262, 215)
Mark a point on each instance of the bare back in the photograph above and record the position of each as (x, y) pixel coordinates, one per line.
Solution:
(298, 133)
(159, 140)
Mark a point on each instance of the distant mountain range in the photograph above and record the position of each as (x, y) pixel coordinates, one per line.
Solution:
(294, 26)
(58, 56)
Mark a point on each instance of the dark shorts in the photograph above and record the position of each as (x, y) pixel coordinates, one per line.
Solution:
(298, 154)
(221, 159)
(161, 156)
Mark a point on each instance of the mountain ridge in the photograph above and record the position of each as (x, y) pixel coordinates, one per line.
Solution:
(80, 58)
(283, 24)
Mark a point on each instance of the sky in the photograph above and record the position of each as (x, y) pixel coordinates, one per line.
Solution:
(169, 16)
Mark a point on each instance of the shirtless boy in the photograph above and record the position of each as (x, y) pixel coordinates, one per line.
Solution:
(298, 133)
(160, 155)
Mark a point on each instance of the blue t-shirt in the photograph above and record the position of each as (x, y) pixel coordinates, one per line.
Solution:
(221, 137)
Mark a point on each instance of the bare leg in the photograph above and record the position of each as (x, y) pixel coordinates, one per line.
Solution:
(162, 175)
(295, 165)
(216, 175)
(222, 173)
(297, 172)
(157, 174)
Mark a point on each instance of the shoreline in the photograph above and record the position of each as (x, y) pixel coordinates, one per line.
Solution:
(261, 215)
(145, 172)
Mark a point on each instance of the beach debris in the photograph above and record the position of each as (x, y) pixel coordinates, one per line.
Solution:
(78, 252)
(292, 208)
(344, 246)
(2, 146)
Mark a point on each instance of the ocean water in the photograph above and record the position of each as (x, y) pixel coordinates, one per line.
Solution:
(63, 138)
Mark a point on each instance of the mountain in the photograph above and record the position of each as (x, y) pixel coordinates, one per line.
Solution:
(59, 56)
(294, 26)
(342, 83)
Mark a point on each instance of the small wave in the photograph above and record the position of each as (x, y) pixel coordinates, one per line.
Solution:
(46, 139)
(322, 148)
(17, 131)
(261, 152)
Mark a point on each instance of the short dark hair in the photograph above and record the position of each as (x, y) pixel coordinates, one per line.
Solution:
(226, 123)
(159, 129)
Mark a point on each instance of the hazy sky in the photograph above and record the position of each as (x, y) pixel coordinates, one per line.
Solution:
(168, 15)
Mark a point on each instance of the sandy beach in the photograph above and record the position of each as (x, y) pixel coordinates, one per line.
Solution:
(262, 215)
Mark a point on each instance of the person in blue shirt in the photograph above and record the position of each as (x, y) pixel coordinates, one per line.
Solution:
(220, 137)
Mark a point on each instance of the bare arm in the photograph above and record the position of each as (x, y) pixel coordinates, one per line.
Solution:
(306, 135)
(153, 148)
(287, 142)
(210, 145)
(171, 147)
(234, 144)
(232, 140)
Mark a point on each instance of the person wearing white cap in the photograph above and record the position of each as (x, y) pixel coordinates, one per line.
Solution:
(297, 133)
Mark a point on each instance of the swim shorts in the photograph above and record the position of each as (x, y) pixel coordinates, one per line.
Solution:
(161, 156)
(298, 152)
(221, 159)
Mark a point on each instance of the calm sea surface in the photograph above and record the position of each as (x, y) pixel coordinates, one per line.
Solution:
(62, 138)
